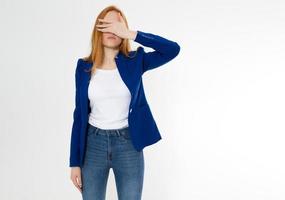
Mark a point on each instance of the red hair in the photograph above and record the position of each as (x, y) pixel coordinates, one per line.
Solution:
(97, 53)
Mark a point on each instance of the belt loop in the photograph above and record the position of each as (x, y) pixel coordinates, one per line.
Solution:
(118, 132)
(96, 131)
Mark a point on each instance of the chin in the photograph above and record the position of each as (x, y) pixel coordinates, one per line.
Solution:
(111, 45)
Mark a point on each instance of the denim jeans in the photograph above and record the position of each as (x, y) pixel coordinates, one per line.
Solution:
(107, 149)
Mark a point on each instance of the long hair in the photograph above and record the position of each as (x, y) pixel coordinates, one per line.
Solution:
(97, 51)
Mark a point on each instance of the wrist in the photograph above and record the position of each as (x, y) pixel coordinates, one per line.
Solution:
(132, 35)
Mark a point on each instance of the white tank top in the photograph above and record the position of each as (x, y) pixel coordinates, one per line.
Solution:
(109, 99)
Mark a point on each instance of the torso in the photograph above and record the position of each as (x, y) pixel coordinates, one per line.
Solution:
(109, 99)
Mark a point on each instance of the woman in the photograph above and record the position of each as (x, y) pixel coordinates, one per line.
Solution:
(112, 119)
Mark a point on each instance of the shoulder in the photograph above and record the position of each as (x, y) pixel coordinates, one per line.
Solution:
(82, 64)
(82, 61)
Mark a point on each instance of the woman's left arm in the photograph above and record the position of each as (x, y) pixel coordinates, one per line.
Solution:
(164, 49)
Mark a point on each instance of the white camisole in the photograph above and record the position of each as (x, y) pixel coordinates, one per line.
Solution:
(109, 99)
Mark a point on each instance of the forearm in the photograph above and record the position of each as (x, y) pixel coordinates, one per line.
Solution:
(156, 42)
(164, 49)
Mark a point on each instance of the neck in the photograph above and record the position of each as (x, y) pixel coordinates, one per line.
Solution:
(110, 54)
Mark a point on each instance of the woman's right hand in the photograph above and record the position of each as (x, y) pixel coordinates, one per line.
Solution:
(76, 177)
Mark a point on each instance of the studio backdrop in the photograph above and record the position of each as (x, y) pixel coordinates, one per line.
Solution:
(219, 105)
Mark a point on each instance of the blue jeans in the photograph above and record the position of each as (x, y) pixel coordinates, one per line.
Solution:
(107, 149)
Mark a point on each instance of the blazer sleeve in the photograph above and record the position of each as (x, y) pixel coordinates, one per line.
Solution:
(164, 50)
(74, 159)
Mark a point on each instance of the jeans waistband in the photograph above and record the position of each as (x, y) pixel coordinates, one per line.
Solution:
(116, 132)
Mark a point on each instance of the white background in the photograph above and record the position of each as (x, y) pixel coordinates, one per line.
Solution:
(219, 104)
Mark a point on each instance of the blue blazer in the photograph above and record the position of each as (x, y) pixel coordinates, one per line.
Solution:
(142, 126)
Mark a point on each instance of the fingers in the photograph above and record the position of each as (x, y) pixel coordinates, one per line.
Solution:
(77, 182)
(104, 29)
(103, 25)
(105, 20)
(120, 17)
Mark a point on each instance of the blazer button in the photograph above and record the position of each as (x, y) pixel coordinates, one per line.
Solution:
(130, 110)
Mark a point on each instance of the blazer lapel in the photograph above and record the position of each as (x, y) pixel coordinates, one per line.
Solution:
(84, 89)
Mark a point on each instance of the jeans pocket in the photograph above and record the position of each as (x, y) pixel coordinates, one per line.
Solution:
(92, 131)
